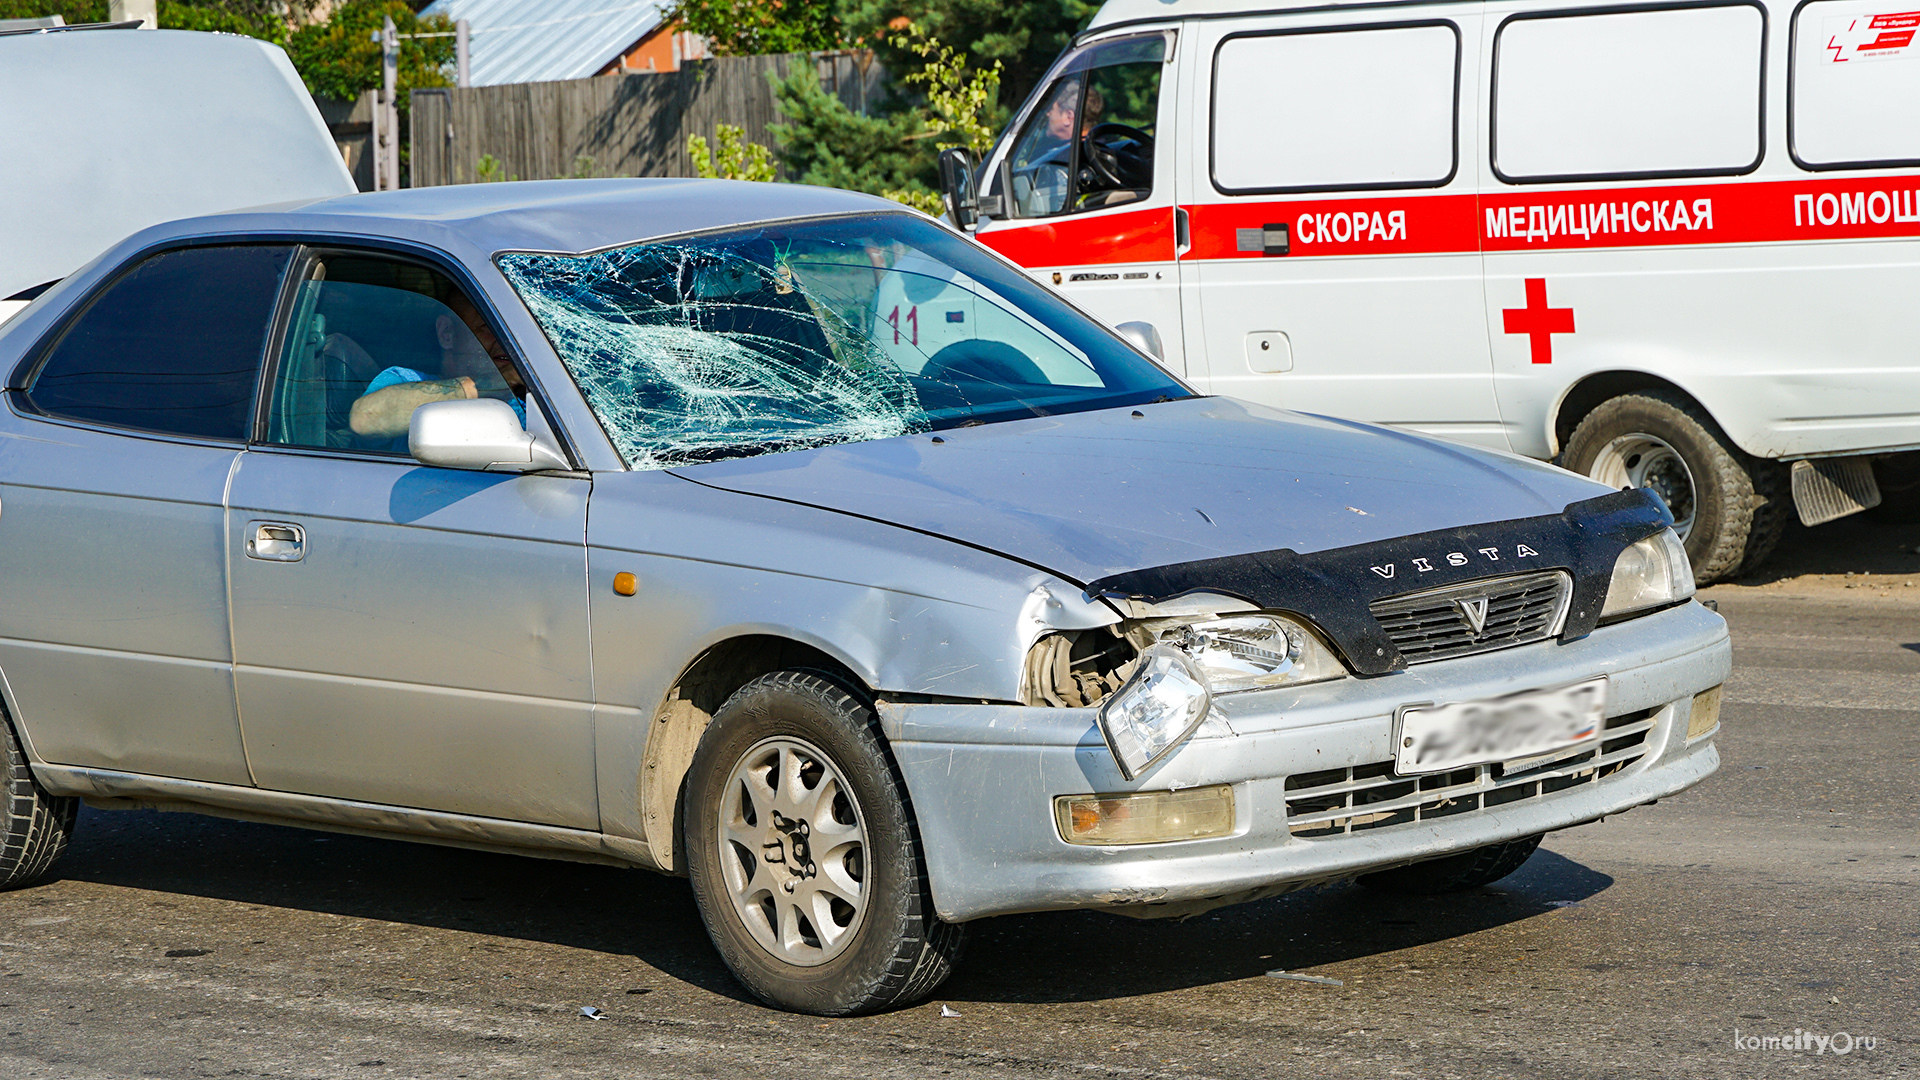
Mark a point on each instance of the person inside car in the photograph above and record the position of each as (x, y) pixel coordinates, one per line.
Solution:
(472, 364)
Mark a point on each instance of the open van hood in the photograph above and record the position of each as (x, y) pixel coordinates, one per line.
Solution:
(1087, 495)
(105, 132)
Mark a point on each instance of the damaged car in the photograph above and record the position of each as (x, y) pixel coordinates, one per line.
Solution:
(785, 539)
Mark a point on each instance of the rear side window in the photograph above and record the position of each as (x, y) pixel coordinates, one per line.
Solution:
(173, 346)
(1856, 85)
(1627, 94)
(1332, 110)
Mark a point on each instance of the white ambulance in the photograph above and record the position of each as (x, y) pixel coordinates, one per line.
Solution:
(1670, 245)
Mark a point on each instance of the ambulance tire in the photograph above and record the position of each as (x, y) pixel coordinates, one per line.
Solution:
(1731, 506)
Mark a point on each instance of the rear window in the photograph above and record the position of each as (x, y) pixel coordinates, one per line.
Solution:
(1332, 110)
(1628, 94)
(173, 346)
(1856, 85)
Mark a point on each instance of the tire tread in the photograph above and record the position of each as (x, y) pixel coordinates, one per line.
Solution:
(35, 826)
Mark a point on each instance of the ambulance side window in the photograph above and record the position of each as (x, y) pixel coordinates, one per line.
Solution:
(1856, 88)
(1329, 110)
(1089, 142)
(1626, 95)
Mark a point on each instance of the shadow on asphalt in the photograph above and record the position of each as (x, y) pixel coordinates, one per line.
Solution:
(1861, 544)
(1065, 956)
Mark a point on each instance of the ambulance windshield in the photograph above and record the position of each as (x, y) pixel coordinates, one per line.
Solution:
(805, 334)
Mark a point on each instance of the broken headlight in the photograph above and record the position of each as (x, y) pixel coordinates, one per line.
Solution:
(1173, 684)
(1652, 573)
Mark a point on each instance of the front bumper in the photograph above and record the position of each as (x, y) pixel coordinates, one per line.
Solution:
(983, 777)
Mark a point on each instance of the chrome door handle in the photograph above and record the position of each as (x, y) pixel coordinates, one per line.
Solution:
(276, 541)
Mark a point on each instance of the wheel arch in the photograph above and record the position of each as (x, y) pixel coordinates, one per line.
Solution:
(1590, 391)
(682, 718)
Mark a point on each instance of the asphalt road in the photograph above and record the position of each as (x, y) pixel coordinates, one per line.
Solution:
(1779, 896)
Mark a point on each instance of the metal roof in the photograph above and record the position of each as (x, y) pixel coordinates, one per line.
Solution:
(520, 41)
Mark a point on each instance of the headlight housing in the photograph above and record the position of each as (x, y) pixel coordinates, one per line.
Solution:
(1187, 663)
(1652, 573)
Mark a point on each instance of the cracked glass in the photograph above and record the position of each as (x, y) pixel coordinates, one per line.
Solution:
(804, 334)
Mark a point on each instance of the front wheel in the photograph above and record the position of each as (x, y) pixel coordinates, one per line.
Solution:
(803, 856)
(1728, 508)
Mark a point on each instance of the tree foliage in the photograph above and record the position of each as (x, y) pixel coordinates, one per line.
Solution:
(762, 27)
(1022, 35)
(337, 58)
(736, 159)
(821, 141)
(340, 59)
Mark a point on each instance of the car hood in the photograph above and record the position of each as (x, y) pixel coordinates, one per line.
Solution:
(1086, 495)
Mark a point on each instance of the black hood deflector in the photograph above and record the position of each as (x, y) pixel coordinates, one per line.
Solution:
(1333, 588)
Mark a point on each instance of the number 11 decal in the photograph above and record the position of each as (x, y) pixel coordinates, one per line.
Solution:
(913, 324)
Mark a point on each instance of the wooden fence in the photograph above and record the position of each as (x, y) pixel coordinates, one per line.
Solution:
(612, 125)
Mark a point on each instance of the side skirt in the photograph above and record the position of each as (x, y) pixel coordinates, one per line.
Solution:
(108, 790)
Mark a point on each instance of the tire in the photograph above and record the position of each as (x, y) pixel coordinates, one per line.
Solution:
(1455, 873)
(1728, 507)
(868, 938)
(35, 826)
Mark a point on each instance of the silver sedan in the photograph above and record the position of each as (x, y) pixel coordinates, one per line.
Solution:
(786, 540)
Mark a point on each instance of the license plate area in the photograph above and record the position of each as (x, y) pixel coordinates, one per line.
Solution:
(1529, 726)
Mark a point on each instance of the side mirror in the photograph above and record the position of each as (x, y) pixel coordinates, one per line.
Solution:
(1142, 336)
(481, 434)
(956, 185)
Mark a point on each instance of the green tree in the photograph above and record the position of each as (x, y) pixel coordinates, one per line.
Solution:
(821, 141)
(762, 27)
(737, 158)
(895, 154)
(1023, 35)
(340, 59)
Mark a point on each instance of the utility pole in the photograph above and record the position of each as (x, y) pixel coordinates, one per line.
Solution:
(460, 53)
(386, 175)
(146, 12)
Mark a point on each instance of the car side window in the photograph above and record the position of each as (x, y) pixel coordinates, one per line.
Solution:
(1089, 144)
(372, 338)
(173, 346)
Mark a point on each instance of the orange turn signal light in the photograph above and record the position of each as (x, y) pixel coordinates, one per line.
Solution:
(625, 584)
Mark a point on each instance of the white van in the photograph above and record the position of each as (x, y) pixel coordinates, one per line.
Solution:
(108, 129)
(1667, 244)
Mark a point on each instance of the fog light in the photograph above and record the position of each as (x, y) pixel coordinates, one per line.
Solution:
(1705, 715)
(1146, 817)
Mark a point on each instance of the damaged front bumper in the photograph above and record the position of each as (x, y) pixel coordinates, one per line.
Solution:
(1312, 801)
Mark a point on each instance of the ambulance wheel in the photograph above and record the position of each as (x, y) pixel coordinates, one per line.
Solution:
(1727, 507)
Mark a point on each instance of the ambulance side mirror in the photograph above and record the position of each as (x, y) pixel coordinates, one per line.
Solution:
(957, 187)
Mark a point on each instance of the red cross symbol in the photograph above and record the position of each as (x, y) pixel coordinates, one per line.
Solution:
(1538, 321)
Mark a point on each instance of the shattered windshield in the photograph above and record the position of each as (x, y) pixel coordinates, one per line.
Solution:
(787, 336)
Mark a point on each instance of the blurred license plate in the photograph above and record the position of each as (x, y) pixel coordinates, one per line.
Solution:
(1434, 738)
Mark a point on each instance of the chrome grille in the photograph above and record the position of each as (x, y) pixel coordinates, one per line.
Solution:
(1433, 625)
(1337, 802)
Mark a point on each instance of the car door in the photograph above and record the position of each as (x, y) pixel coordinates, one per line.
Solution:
(114, 636)
(404, 635)
(1335, 265)
(1086, 188)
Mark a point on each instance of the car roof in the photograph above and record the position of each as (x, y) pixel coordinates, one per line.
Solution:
(542, 215)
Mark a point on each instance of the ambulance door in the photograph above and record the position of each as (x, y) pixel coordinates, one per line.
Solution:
(1334, 265)
(1085, 187)
(1625, 182)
